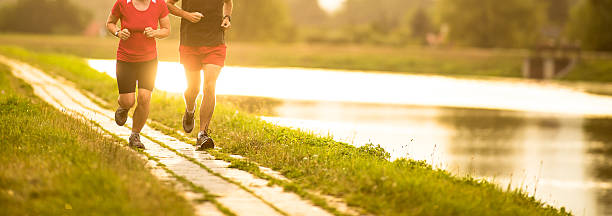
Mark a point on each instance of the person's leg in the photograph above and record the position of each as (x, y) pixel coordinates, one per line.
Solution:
(193, 88)
(192, 62)
(126, 100)
(191, 93)
(126, 83)
(146, 74)
(213, 62)
(211, 73)
(141, 113)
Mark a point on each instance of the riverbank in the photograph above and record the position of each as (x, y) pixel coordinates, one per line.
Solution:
(52, 164)
(472, 62)
(362, 176)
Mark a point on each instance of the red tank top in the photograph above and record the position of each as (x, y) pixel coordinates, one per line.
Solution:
(138, 47)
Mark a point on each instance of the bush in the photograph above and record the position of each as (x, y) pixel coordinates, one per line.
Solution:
(590, 22)
(44, 16)
(493, 23)
(262, 20)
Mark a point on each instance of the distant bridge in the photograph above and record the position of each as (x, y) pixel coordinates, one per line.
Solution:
(551, 61)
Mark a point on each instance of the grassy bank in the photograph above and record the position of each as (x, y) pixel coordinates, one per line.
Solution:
(52, 164)
(593, 67)
(506, 63)
(362, 176)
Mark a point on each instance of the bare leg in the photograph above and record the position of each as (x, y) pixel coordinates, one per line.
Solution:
(126, 101)
(211, 73)
(193, 88)
(142, 110)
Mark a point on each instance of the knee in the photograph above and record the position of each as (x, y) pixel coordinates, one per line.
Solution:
(192, 89)
(126, 102)
(209, 86)
(144, 99)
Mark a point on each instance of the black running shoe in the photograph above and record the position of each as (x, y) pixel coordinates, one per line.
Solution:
(204, 142)
(135, 142)
(188, 121)
(121, 116)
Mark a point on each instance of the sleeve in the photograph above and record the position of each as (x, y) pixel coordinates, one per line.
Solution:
(116, 11)
(164, 9)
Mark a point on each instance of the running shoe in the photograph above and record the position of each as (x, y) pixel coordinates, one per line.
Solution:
(188, 121)
(121, 116)
(135, 142)
(204, 142)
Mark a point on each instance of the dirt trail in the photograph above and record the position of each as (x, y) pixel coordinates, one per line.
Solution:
(237, 190)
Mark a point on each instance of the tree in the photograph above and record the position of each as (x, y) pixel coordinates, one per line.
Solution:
(492, 23)
(383, 16)
(420, 24)
(558, 11)
(379, 22)
(590, 23)
(44, 16)
(262, 20)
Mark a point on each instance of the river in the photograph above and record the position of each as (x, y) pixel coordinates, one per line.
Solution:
(550, 140)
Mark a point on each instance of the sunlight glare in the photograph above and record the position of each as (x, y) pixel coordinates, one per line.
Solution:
(385, 88)
(331, 6)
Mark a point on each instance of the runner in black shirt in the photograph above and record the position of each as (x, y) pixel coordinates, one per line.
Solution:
(202, 47)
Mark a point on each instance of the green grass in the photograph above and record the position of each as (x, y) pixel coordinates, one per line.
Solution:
(420, 60)
(593, 70)
(363, 176)
(52, 164)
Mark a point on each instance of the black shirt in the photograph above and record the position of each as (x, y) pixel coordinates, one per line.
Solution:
(207, 32)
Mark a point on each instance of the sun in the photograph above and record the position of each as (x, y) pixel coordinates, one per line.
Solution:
(331, 6)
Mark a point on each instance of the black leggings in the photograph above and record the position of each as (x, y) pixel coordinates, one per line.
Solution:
(128, 73)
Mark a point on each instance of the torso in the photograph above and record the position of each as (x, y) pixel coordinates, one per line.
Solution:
(141, 5)
(207, 32)
(136, 16)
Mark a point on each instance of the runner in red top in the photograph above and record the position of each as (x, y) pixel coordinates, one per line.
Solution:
(138, 47)
(137, 56)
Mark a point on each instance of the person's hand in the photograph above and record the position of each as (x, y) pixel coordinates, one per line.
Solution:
(194, 17)
(150, 32)
(124, 34)
(226, 24)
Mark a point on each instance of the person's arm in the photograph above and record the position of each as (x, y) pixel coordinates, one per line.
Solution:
(228, 6)
(193, 17)
(162, 32)
(111, 26)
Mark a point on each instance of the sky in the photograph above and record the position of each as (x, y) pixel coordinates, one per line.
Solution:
(331, 5)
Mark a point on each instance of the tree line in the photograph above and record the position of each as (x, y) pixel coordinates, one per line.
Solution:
(43, 16)
(478, 23)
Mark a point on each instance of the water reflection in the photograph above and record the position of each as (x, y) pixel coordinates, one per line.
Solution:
(599, 144)
(262, 106)
(542, 154)
(480, 137)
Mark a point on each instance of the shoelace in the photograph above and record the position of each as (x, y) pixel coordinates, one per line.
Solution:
(135, 137)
